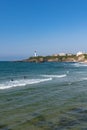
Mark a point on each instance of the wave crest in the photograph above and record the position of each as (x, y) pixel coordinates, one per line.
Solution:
(15, 83)
(55, 76)
(80, 64)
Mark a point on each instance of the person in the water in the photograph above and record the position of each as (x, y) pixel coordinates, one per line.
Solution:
(25, 77)
(12, 80)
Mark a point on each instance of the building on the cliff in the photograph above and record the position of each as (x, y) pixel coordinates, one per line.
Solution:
(79, 53)
(55, 54)
(35, 53)
(69, 54)
(62, 54)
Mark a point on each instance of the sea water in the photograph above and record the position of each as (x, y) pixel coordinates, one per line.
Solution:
(43, 96)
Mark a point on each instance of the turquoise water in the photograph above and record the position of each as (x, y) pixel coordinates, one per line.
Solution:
(43, 96)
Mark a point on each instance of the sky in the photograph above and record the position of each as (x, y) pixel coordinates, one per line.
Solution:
(47, 26)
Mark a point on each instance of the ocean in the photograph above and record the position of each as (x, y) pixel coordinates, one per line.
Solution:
(43, 96)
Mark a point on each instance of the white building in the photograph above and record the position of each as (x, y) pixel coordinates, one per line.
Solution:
(62, 54)
(79, 53)
(35, 53)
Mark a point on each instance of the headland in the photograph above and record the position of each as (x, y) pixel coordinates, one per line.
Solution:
(79, 57)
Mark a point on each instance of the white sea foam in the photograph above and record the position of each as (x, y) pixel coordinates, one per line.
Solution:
(55, 76)
(21, 82)
(84, 78)
(80, 64)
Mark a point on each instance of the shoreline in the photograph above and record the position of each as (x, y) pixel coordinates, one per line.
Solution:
(66, 58)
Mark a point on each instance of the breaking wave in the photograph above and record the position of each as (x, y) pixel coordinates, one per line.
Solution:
(84, 78)
(55, 76)
(21, 82)
(80, 64)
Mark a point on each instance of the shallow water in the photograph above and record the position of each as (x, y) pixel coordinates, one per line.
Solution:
(47, 96)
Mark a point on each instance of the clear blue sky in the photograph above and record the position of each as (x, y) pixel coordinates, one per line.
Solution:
(48, 26)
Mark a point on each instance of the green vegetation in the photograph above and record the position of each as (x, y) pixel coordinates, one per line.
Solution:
(52, 58)
(85, 56)
(58, 58)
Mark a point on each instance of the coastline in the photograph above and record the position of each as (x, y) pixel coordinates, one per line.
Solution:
(51, 96)
(65, 58)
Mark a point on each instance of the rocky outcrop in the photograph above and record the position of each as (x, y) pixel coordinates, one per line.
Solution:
(70, 60)
(66, 58)
(35, 59)
(53, 60)
(81, 58)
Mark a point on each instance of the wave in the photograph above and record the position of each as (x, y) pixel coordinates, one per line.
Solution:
(55, 76)
(21, 82)
(84, 78)
(81, 79)
(79, 64)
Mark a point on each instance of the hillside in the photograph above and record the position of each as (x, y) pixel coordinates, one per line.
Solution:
(58, 58)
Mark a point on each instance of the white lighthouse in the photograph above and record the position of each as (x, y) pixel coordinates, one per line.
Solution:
(35, 53)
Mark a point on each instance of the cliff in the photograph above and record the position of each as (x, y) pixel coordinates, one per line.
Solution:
(65, 58)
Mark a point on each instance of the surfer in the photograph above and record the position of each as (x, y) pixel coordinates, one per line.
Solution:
(25, 77)
(12, 80)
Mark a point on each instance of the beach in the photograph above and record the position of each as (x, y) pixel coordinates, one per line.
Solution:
(43, 96)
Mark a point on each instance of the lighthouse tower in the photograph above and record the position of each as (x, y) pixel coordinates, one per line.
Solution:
(35, 53)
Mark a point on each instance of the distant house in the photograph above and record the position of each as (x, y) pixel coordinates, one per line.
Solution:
(69, 54)
(55, 54)
(62, 54)
(79, 53)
